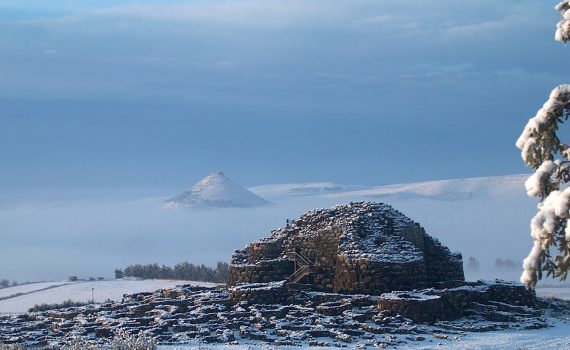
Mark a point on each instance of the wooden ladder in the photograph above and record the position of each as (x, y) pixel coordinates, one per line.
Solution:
(302, 266)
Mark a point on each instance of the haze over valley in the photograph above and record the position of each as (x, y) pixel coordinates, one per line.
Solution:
(90, 232)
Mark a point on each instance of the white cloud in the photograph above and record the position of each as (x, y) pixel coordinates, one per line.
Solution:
(487, 27)
(331, 75)
(152, 49)
(439, 72)
(247, 13)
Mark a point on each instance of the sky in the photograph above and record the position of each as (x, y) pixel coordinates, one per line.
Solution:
(159, 94)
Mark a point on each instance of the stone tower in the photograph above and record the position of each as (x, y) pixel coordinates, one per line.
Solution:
(360, 247)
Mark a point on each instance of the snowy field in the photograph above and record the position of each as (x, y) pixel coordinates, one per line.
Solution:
(560, 291)
(28, 288)
(79, 292)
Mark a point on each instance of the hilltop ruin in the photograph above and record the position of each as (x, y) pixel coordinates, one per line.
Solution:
(364, 247)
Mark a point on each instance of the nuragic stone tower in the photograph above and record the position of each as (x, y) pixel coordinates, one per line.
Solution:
(360, 247)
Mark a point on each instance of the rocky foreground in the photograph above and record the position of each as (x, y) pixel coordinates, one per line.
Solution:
(287, 314)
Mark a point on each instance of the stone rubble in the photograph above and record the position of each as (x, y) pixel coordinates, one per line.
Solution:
(285, 314)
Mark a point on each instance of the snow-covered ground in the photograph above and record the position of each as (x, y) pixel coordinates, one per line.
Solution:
(555, 338)
(57, 292)
(561, 291)
(29, 288)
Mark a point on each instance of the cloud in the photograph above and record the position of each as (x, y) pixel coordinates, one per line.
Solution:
(334, 76)
(248, 13)
(223, 65)
(510, 22)
(185, 51)
(435, 72)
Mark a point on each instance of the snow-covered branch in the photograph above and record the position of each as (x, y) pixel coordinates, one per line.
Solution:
(542, 150)
(563, 27)
(538, 140)
(549, 227)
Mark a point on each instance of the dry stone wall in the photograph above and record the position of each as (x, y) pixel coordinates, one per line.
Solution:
(441, 264)
(432, 305)
(369, 277)
(260, 272)
(322, 251)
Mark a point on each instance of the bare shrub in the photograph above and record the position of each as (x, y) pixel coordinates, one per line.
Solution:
(11, 347)
(141, 341)
(121, 341)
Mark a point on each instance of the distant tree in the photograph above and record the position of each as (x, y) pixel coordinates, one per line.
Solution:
(510, 264)
(119, 273)
(543, 151)
(499, 263)
(472, 264)
(4, 283)
(181, 271)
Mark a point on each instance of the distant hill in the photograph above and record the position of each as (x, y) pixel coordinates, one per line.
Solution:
(457, 189)
(216, 191)
(300, 189)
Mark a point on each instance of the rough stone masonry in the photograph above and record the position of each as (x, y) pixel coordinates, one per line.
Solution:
(363, 247)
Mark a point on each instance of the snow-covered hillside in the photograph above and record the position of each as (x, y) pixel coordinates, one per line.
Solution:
(300, 189)
(448, 189)
(216, 191)
(22, 298)
(456, 189)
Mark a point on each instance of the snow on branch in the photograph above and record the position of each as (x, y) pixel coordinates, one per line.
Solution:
(538, 141)
(542, 150)
(549, 227)
(563, 27)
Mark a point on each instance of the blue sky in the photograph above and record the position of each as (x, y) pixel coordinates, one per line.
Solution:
(158, 94)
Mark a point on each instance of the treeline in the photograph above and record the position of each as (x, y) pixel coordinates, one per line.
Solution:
(181, 271)
(508, 264)
(473, 264)
(5, 283)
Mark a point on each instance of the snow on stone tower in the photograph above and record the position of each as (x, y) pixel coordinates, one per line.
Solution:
(363, 247)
